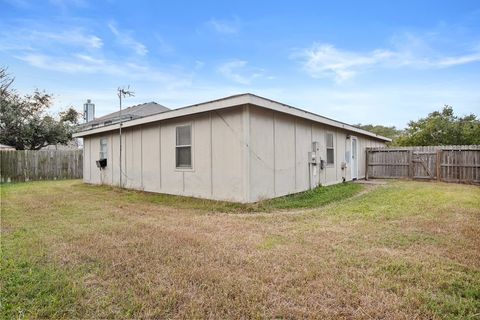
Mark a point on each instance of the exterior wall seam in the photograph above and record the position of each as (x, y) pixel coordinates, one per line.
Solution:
(211, 154)
(295, 150)
(247, 128)
(336, 155)
(274, 157)
(111, 157)
(160, 155)
(123, 171)
(141, 158)
(90, 159)
(310, 171)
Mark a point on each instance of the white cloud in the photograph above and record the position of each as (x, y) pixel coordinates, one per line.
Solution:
(30, 38)
(86, 64)
(125, 38)
(234, 71)
(226, 27)
(229, 70)
(77, 63)
(75, 36)
(325, 60)
(75, 51)
(453, 61)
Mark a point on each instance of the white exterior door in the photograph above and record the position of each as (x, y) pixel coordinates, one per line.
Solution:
(354, 165)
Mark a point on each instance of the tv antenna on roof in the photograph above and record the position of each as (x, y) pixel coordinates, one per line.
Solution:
(125, 92)
(122, 93)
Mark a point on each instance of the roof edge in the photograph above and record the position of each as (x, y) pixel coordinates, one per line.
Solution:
(334, 123)
(227, 102)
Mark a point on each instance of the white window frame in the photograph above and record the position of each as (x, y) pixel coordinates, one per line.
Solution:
(329, 148)
(103, 154)
(189, 168)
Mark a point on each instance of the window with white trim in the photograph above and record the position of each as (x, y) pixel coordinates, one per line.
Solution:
(330, 149)
(183, 147)
(103, 148)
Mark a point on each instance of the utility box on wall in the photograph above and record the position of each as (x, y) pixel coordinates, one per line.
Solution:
(314, 155)
(102, 163)
(316, 147)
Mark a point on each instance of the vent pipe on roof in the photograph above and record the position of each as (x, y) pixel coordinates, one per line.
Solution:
(88, 111)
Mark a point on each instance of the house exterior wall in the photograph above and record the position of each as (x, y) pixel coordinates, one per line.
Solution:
(148, 157)
(278, 158)
(244, 154)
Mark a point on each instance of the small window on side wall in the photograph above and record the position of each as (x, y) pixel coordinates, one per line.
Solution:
(103, 148)
(330, 149)
(183, 147)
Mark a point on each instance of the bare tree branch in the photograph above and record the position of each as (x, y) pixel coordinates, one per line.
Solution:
(5, 80)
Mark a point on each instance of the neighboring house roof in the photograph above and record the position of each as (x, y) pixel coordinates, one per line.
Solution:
(73, 144)
(5, 147)
(133, 112)
(228, 102)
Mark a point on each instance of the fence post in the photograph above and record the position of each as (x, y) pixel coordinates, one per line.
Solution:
(366, 164)
(410, 164)
(439, 163)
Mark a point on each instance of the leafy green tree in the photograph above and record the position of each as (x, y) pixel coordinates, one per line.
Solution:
(442, 128)
(389, 132)
(25, 123)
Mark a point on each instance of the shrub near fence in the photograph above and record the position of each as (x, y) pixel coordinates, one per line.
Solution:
(27, 165)
(442, 163)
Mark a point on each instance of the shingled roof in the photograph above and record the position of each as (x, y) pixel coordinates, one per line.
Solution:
(130, 113)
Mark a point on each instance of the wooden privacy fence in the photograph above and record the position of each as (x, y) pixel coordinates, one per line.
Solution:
(26, 165)
(441, 163)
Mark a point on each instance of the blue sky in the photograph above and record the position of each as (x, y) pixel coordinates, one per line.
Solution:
(381, 62)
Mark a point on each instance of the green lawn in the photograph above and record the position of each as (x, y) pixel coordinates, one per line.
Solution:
(400, 251)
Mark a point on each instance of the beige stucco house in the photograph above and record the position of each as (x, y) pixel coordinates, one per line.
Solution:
(240, 148)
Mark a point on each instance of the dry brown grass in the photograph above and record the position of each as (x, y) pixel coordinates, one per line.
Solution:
(406, 250)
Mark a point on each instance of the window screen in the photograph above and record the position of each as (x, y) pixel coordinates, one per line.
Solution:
(103, 148)
(183, 148)
(184, 137)
(330, 149)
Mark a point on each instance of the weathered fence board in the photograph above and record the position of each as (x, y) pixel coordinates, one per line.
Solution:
(26, 165)
(442, 163)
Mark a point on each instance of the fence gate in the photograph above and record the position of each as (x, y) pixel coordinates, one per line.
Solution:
(441, 163)
(424, 164)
